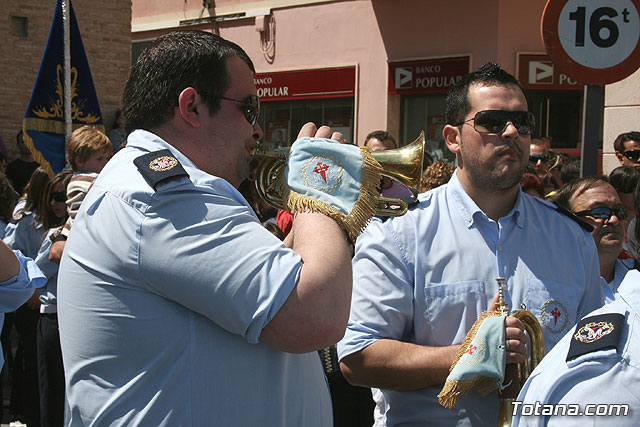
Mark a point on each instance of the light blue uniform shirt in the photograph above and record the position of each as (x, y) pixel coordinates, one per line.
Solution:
(426, 277)
(601, 377)
(17, 290)
(48, 303)
(162, 297)
(24, 235)
(622, 266)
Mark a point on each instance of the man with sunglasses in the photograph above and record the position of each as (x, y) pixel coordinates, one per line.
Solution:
(627, 148)
(591, 377)
(593, 199)
(539, 157)
(422, 280)
(176, 307)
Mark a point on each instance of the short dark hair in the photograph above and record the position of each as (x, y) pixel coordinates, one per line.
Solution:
(570, 170)
(380, 135)
(458, 104)
(618, 144)
(624, 179)
(563, 195)
(173, 62)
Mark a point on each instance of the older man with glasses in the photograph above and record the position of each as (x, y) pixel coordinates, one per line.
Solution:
(593, 199)
(422, 280)
(627, 149)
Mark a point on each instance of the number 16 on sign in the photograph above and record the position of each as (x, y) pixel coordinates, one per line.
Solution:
(595, 42)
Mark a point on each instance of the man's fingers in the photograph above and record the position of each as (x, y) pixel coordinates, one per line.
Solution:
(515, 339)
(494, 304)
(323, 132)
(309, 129)
(513, 357)
(337, 136)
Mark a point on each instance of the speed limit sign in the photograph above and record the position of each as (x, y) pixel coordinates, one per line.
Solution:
(594, 42)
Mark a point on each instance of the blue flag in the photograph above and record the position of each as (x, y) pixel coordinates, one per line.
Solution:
(43, 124)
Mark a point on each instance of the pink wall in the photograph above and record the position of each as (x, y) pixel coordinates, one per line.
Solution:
(369, 33)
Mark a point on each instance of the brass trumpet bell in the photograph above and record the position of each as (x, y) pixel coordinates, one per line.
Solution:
(403, 165)
(519, 373)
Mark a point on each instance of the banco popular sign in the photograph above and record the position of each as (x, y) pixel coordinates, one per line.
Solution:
(336, 82)
(426, 76)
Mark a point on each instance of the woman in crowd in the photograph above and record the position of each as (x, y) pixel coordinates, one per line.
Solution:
(25, 233)
(50, 369)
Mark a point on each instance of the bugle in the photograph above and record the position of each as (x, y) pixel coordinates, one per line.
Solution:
(403, 165)
(520, 372)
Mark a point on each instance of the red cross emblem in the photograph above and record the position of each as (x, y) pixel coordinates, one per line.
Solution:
(556, 313)
(471, 349)
(321, 168)
(163, 163)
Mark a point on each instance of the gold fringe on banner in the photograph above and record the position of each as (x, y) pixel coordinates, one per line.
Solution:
(37, 155)
(453, 388)
(363, 209)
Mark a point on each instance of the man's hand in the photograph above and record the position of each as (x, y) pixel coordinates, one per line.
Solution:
(34, 302)
(55, 253)
(310, 130)
(515, 337)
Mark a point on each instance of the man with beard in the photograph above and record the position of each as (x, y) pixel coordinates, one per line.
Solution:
(420, 281)
(595, 200)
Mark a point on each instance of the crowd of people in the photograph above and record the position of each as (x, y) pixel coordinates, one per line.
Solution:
(149, 284)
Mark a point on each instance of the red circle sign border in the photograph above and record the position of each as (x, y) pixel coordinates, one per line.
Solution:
(586, 75)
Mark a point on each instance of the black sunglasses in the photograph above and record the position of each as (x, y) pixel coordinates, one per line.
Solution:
(603, 212)
(533, 158)
(496, 121)
(250, 105)
(59, 196)
(633, 155)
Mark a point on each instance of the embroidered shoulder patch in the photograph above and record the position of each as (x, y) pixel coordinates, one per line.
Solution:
(595, 333)
(554, 316)
(159, 166)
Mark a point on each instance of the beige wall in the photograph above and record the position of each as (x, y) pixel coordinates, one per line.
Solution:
(621, 114)
(106, 34)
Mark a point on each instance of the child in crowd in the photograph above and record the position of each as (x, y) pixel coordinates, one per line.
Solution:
(88, 151)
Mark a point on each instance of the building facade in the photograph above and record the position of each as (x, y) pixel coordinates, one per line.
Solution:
(363, 65)
(357, 65)
(25, 25)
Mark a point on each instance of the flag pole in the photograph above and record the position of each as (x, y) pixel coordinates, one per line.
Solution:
(66, 17)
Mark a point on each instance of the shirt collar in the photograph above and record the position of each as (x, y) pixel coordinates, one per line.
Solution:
(149, 142)
(470, 212)
(629, 292)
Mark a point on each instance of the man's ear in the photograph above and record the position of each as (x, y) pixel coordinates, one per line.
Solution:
(189, 106)
(620, 157)
(451, 136)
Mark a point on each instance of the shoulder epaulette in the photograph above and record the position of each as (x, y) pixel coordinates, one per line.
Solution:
(595, 333)
(159, 166)
(581, 222)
